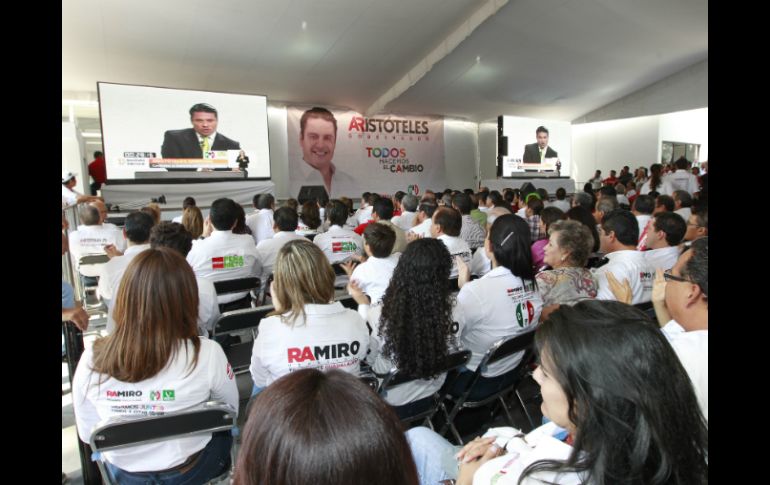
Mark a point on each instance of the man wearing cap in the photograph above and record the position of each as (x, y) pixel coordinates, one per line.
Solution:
(68, 195)
(202, 137)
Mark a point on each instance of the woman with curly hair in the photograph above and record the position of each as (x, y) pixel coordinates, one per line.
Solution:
(414, 328)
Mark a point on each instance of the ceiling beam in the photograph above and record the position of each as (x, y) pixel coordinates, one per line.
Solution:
(447, 45)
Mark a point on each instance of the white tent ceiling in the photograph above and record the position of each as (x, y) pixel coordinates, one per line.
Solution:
(472, 59)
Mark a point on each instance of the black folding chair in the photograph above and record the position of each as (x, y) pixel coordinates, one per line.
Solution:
(501, 349)
(124, 431)
(238, 285)
(239, 354)
(395, 378)
(348, 302)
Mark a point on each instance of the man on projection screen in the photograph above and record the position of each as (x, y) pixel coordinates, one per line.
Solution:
(537, 152)
(202, 137)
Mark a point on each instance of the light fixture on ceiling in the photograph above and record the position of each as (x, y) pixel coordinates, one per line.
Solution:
(304, 25)
(478, 59)
(91, 135)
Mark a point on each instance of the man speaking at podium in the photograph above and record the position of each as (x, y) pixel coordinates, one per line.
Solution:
(202, 137)
(538, 152)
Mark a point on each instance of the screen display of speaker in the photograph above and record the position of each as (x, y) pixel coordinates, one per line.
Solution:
(150, 129)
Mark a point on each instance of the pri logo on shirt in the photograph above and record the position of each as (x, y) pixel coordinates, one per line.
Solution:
(227, 262)
(344, 247)
(164, 395)
(525, 313)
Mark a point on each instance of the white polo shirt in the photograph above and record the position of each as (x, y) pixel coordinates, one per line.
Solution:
(374, 275)
(113, 271)
(495, 306)
(339, 244)
(685, 212)
(261, 224)
(423, 228)
(663, 258)
(330, 337)
(268, 251)
(683, 180)
(68, 197)
(364, 215)
(456, 247)
(225, 256)
(693, 351)
(91, 240)
(175, 388)
(480, 263)
(628, 264)
(641, 219)
(405, 220)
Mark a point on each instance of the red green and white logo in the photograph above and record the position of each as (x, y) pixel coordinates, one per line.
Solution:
(227, 262)
(344, 247)
(164, 395)
(525, 313)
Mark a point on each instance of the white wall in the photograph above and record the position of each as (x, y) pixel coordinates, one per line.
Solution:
(461, 154)
(608, 145)
(279, 150)
(488, 150)
(72, 159)
(688, 127)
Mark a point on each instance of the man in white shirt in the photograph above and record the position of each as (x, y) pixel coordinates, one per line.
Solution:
(409, 205)
(365, 208)
(446, 227)
(338, 244)
(91, 238)
(698, 223)
(68, 194)
(682, 203)
(284, 224)
(683, 313)
(261, 220)
(664, 233)
(682, 178)
(618, 235)
(137, 232)
(423, 219)
(102, 214)
(224, 255)
(642, 210)
(373, 276)
(561, 200)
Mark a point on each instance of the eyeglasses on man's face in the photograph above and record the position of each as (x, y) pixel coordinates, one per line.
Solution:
(668, 276)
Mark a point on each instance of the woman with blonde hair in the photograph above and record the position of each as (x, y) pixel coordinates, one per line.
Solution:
(192, 220)
(307, 329)
(155, 347)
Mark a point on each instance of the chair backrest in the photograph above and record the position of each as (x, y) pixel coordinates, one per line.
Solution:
(454, 361)
(453, 284)
(236, 285)
(123, 431)
(506, 347)
(236, 320)
(348, 302)
(310, 236)
(338, 269)
(93, 259)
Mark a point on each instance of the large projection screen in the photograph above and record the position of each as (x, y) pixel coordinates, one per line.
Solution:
(521, 131)
(136, 118)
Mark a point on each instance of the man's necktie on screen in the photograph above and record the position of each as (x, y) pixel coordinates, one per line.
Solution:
(541, 155)
(205, 145)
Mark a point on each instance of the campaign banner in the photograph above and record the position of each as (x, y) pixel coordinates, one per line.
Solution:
(349, 153)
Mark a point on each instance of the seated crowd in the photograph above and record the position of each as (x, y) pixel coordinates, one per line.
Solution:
(431, 276)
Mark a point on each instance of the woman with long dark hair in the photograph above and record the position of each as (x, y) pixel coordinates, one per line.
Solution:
(657, 182)
(155, 346)
(503, 303)
(414, 328)
(611, 380)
